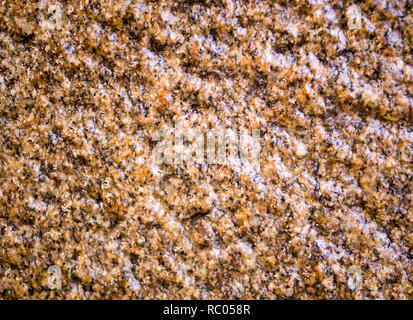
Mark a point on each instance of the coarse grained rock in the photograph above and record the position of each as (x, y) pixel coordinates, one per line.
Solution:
(84, 86)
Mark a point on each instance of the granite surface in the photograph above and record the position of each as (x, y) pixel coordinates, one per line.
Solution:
(85, 84)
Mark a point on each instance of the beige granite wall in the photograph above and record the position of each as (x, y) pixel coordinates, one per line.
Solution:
(85, 85)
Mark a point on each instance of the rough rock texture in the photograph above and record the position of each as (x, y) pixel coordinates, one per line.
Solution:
(85, 84)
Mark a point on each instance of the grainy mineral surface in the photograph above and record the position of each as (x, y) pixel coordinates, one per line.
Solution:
(85, 84)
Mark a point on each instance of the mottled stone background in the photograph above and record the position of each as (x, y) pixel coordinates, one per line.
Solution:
(85, 84)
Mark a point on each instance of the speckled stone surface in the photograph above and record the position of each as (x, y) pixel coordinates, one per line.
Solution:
(85, 84)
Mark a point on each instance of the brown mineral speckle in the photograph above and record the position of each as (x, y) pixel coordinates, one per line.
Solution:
(84, 87)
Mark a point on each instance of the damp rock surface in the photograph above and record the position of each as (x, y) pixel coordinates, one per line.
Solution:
(84, 85)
